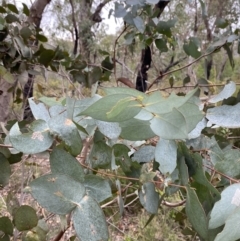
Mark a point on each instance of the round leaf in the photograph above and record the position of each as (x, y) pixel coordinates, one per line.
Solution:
(25, 218)
(6, 225)
(57, 193)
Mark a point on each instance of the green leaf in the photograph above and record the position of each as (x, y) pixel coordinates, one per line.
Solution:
(196, 132)
(183, 171)
(66, 131)
(11, 18)
(166, 155)
(51, 101)
(109, 129)
(226, 207)
(228, 163)
(123, 90)
(2, 9)
(231, 229)
(12, 8)
(114, 108)
(144, 154)
(161, 45)
(196, 214)
(191, 48)
(25, 9)
(46, 56)
(224, 116)
(200, 177)
(178, 123)
(186, 80)
(41, 38)
(164, 27)
(38, 139)
(7, 76)
(149, 198)
(97, 187)
(100, 155)
(57, 193)
(122, 158)
(62, 162)
(230, 54)
(6, 226)
(89, 221)
(130, 130)
(25, 32)
(25, 218)
(221, 22)
(158, 104)
(5, 170)
(39, 110)
(129, 37)
(139, 24)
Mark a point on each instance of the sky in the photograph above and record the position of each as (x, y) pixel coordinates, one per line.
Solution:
(112, 23)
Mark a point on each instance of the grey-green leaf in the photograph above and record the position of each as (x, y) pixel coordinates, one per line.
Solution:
(227, 91)
(62, 162)
(166, 155)
(149, 198)
(196, 214)
(224, 116)
(39, 110)
(144, 154)
(68, 132)
(135, 130)
(231, 231)
(109, 129)
(226, 206)
(89, 221)
(114, 108)
(97, 187)
(57, 193)
(38, 139)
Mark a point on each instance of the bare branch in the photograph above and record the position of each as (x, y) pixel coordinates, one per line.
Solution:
(96, 15)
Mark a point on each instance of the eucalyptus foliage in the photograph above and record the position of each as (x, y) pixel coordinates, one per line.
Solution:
(165, 145)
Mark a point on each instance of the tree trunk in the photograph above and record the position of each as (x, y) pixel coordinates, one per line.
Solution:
(35, 17)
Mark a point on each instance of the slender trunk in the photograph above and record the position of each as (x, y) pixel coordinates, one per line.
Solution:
(35, 17)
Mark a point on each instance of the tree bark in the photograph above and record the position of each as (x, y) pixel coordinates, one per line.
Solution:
(35, 17)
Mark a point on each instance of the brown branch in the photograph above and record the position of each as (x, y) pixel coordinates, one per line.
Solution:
(96, 15)
(75, 29)
(183, 67)
(126, 81)
(172, 205)
(222, 174)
